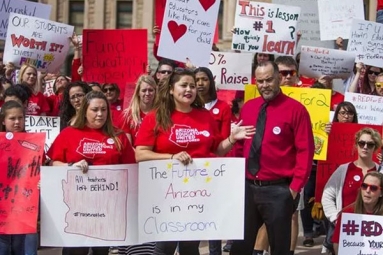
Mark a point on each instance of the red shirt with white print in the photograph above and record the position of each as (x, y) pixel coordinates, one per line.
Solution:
(195, 132)
(54, 102)
(73, 145)
(222, 115)
(128, 126)
(37, 104)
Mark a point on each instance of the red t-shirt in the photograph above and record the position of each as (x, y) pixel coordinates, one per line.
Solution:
(380, 5)
(305, 82)
(116, 110)
(195, 132)
(336, 99)
(54, 102)
(352, 182)
(75, 66)
(37, 104)
(128, 126)
(222, 115)
(73, 145)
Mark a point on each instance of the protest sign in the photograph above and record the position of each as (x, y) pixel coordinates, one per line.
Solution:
(48, 88)
(368, 107)
(21, 7)
(38, 42)
(178, 202)
(43, 124)
(308, 23)
(361, 234)
(112, 56)
(341, 149)
(231, 70)
(317, 103)
(20, 160)
(263, 27)
(187, 30)
(335, 17)
(316, 62)
(365, 41)
(94, 209)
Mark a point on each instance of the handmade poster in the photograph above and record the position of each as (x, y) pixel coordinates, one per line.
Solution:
(308, 23)
(20, 160)
(231, 70)
(38, 42)
(341, 149)
(178, 202)
(366, 41)
(94, 209)
(44, 124)
(361, 234)
(111, 56)
(368, 107)
(28, 8)
(315, 62)
(335, 17)
(264, 27)
(317, 103)
(187, 30)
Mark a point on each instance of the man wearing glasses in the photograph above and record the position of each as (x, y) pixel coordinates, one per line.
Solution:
(288, 68)
(165, 69)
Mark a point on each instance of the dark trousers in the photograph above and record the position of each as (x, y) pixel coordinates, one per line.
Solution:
(309, 192)
(185, 248)
(215, 247)
(12, 244)
(85, 250)
(272, 205)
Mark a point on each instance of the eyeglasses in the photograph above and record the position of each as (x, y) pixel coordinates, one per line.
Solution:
(165, 71)
(288, 72)
(373, 188)
(370, 145)
(75, 96)
(344, 113)
(379, 85)
(372, 72)
(106, 90)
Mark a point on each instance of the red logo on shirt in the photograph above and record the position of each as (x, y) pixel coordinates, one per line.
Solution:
(89, 148)
(182, 135)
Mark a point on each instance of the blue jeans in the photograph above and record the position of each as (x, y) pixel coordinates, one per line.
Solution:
(215, 247)
(31, 244)
(379, 16)
(12, 244)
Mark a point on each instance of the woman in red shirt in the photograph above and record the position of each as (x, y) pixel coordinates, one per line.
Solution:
(180, 128)
(91, 140)
(55, 100)
(368, 201)
(112, 93)
(140, 104)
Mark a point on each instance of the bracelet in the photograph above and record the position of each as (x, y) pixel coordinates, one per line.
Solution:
(172, 156)
(228, 138)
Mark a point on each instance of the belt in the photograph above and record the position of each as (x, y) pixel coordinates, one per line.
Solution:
(269, 183)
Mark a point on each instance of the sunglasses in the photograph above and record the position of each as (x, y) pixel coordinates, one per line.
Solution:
(370, 145)
(75, 96)
(106, 90)
(373, 188)
(372, 72)
(344, 113)
(379, 85)
(165, 71)
(288, 72)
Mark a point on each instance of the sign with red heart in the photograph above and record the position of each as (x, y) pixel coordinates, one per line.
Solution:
(176, 30)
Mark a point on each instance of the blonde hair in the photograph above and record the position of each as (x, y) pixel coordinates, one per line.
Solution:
(374, 135)
(132, 113)
(37, 87)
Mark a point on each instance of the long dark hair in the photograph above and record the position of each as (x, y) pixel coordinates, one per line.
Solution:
(348, 107)
(359, 205)
(365, 86)
(7, 106)
(212, 89)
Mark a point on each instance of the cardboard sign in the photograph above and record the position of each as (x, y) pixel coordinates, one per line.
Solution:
(21, 7)
(44, 124)
(341, 149)
(112, 56)
(263, 27)
(178, 202)
(188, 25)
(20, 160)
(335, 17)
(38, 42)
(308, 23)
(316, 62)
(94, 209)
(368, 107)
(228, 73)
(317, 103)
(366, 41)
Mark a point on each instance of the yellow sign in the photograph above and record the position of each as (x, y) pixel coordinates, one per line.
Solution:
(317, 103)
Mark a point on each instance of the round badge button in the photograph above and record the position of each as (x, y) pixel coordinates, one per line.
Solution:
(276, 130)
(215, 110)
(110, 141)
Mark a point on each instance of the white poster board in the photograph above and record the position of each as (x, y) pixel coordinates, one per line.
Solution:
(368, 107)
(366, 40)
(94, 209)
(39, 42)
(264, 27)
(231, 70)
(335, 17)
(22, 7)
(360, 234)
(178, 202)
(316, 62)
(308, 23)
(43, 124)
(188, 30)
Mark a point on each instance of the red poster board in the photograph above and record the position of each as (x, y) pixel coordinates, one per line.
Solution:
(20, 160)
(115, 56)
(341, 149)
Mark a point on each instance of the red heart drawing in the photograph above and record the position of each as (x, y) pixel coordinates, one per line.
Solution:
(206, 4)
(177, 31)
